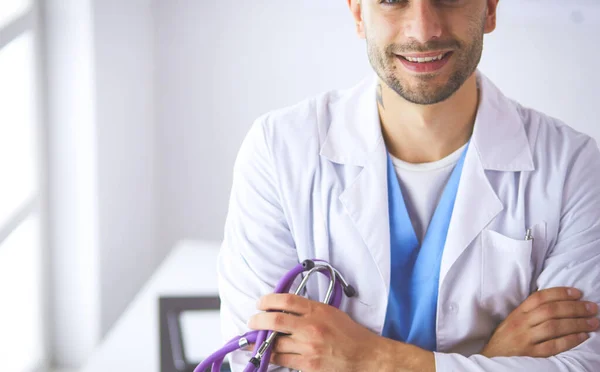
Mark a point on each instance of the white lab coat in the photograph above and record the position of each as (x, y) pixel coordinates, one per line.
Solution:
(310, 182)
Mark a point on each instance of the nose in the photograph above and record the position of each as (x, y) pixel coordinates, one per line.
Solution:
(422, 21)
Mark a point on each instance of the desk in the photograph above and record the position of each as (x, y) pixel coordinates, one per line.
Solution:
(133, 343)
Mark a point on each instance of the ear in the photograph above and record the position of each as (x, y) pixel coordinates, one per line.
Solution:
(356, 10)
(490, 17)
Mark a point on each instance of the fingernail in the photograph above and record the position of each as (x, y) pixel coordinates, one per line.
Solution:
(592, 322)
(572, 292)
(583, 336)
(590, 307)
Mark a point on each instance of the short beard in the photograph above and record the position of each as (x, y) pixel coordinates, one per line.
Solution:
(467, 64)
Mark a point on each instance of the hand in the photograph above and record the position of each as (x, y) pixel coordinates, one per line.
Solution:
(547, 323)
(319, 337)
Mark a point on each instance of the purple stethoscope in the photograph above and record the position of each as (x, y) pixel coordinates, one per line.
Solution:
(263, 340)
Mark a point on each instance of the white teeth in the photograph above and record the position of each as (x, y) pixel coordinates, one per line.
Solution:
(426, 59)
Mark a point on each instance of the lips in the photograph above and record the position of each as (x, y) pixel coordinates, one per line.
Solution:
(425, 58)
(425, 63)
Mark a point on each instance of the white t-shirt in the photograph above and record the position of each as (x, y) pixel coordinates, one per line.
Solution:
(422, 186)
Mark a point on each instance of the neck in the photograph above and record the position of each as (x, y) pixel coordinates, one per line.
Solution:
(426, 133)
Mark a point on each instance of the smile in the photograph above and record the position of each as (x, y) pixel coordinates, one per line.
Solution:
(425, 59)
(424, 63)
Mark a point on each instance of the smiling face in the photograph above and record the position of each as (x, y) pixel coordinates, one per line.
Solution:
(425, 50)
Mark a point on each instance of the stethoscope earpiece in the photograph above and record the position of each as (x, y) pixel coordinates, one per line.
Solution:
(350, 291)
(308, 264)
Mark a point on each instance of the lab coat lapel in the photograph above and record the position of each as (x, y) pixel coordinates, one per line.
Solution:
(366, 202)
(475, 206)
(499, 143)
(355, 139)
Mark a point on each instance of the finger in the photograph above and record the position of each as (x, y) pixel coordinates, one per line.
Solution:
(275, 321)
(549, 295)
(250, 347)
(292, 361)
(561, 310)
(283, 345)
(287, 302)
(558, 345)
(288, 345)
(557, 328)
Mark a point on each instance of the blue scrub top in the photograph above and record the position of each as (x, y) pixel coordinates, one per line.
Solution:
(415, 271)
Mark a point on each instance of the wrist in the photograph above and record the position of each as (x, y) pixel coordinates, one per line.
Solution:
(395, 356)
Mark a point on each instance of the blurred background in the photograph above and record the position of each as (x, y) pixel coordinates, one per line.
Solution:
(120, 121)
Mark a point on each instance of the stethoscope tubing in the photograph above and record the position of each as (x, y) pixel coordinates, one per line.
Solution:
(262, 350)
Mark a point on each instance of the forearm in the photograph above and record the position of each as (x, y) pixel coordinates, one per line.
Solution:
(394, 356)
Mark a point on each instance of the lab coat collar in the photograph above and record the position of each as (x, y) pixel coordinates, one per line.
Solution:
(355, 129)
(498, 135)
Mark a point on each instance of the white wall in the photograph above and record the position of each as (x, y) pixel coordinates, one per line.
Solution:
(102, 166)
(74, 302)
(544, 54)
(125, 116)
(220, 66)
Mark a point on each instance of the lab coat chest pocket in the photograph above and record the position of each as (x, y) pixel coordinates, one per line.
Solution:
(507, 272)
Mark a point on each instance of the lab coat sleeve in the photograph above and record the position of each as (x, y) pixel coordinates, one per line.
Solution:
(573, 261)
(258, 248)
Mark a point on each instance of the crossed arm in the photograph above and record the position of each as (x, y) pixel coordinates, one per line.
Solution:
(541, 334)
(323, 338)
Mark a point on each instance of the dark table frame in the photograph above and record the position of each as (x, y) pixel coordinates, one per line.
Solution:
(172, 349)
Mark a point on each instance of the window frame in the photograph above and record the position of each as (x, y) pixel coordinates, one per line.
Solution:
(18, 26)
(26, 22)
(31, 21)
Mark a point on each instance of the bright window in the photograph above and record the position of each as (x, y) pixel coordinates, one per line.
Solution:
(17, 126)
(11, 9)
(21, 312)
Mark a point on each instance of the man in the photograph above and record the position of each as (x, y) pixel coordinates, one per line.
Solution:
(469, 224)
